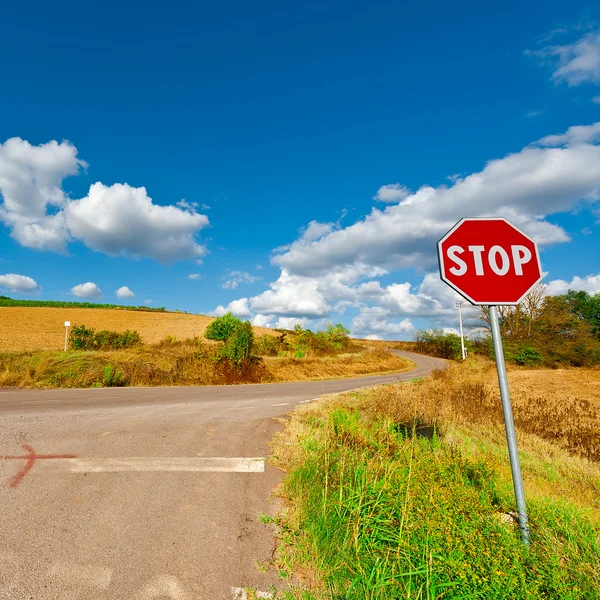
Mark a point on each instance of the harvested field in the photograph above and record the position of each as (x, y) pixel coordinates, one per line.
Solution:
(25, 328)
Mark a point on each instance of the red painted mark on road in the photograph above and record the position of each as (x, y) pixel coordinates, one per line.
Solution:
(30, 457)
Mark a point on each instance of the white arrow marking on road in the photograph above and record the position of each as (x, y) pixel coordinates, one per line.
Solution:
(242, 594)
(77, 574)
(157, 464)
(162, 587)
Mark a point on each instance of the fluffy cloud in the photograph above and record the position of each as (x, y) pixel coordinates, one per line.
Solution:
(237, 277)
(239, 308)
(122, 220)
(89, 291)
(194, 276)
(376, 320)
(262, 320)
(292, 296)
(590, 284)
(393, 192)
(125, 292)
(116, 220)
(574, 136)
(574, 63)
(524, 187)
(18, 283)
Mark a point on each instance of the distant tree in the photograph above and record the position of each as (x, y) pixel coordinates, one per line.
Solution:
(587, 308)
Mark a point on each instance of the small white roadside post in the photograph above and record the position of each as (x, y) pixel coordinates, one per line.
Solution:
(462, 338)
(67, 325)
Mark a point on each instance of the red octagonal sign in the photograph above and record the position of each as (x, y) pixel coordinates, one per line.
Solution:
(489, 261)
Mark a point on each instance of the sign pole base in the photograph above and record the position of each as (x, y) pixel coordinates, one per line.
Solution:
(509, 424)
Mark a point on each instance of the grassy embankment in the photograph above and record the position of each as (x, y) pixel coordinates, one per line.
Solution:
(190, 362)
(378, 506)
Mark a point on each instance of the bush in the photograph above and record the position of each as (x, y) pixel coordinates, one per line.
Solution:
(85, 338)
(437, 343)
(266, 345)
(238, 347)
(527, 356)
(81, 338)
(222, 328)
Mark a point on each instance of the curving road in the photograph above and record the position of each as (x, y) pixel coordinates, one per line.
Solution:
(144, 493)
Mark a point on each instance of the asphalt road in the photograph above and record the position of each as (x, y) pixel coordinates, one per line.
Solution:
(144, 493)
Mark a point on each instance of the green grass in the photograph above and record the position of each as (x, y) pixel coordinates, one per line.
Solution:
(378, 512)
(4, 301)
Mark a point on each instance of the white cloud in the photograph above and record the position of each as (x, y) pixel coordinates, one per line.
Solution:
(30, 182)
(315, 230)
(194, 276)
(122, 220)
(523, 187)
(291, 322)
(596, 99)
(534, 113)
(292, 296)
(376, 320)
(373, 336)
(125, 292)
(574, 63)
(574, 136)
(89, 291)
(393, 192)
(262, 320)
(238, 307)
(116, 220)
(237, 277)
(148, 302)
(18, 283)
(590, 284)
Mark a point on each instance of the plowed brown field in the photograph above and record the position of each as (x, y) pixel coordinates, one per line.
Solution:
(25, 328)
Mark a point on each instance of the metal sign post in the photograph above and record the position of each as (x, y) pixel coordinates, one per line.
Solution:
(509, 425)
(67, 325)
(462, 339)
(491, 262)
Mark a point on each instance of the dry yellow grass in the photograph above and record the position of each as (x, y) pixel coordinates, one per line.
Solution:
(333, 367)
(41, 328)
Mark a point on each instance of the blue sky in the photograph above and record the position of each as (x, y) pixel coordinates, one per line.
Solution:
(328, 144)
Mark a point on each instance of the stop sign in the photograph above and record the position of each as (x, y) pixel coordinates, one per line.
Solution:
(489, 261)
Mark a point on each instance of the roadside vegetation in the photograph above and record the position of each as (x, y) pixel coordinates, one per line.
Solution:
(227, 353)
(543, 331)
(405, 491)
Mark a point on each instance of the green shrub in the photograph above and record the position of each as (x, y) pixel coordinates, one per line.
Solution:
(437, 343)
(85, 338)
(81, 338)
(238, 347)
(112, 377)
(222, 328)
(299, 353)
(527, 356)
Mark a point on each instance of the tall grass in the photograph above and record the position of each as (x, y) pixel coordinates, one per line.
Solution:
(173, 362)
(404, 491)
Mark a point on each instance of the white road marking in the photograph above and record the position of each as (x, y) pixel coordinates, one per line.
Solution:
(157, 464)
(163, 587)
(282, 404)
(77, 574)
(241, 594)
